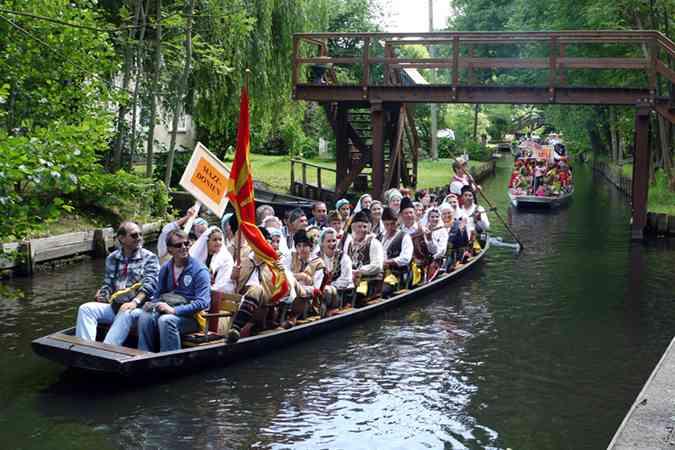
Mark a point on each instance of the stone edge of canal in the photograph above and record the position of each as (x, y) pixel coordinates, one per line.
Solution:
(650, 421)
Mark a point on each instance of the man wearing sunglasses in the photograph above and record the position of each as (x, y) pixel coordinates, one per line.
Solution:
(184, 291)
(127, 266)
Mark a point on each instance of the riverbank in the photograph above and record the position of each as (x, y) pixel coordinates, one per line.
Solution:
(661, 201)
(649, 422)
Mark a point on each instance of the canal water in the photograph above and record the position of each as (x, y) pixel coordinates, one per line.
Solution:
(543, 350)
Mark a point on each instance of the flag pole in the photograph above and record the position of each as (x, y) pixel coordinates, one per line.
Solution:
(237, 246)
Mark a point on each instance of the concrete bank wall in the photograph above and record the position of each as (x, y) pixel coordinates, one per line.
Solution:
(650, 422)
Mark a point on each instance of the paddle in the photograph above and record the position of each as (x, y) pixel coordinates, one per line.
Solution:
(494, 209)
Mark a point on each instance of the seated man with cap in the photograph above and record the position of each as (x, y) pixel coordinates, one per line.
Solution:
(367, 258)
(308, 273)
(398, 253)
(423, 247)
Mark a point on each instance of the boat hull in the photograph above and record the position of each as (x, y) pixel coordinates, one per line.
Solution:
(533, 201)
(63, 347)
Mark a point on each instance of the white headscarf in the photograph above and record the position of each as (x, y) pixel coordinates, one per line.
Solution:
(200, 249)
(425, 218)
(359, 206)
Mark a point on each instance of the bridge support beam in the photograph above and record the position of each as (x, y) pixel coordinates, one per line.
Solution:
(640, 173)
(377, 162)
(342, 154)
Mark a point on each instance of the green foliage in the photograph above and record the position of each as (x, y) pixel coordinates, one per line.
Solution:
(447, 148)
(477, 152)
(124, 196)
(38, 172)
(180, 162)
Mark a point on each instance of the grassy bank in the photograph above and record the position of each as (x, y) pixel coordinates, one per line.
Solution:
(276, 171)
(661, 199)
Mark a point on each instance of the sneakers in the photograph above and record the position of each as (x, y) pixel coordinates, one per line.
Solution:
(232, 336)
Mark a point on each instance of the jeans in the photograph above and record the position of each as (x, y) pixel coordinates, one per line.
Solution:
(169, 327)
(90, 314)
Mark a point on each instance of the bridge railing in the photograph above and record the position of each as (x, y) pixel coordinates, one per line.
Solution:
(375, 57)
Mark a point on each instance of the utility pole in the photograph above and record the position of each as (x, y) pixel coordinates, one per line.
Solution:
(434, 110)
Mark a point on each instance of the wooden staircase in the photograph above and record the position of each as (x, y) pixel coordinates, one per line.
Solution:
(400, 156)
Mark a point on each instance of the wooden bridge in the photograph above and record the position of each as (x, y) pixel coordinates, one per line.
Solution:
(368, 89)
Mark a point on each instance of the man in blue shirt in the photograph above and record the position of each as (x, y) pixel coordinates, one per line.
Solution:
(186, 277)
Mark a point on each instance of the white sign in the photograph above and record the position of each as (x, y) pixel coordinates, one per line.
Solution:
(205, 177)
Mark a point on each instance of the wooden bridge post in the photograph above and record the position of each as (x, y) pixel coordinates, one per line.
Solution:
(342, 156)
(377, 120)
(640, 188)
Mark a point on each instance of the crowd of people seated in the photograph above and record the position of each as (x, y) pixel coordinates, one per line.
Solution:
(334, 260)
(540, 177)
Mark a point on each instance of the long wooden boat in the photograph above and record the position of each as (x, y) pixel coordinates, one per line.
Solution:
(534, 201)
(65, 348)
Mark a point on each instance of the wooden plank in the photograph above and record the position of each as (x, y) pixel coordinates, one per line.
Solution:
(665, 71)
(504, 63)
(69, 244)
(366, 64)
(126, 351)
(603, 63)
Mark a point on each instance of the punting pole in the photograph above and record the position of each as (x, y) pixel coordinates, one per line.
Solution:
(494, 209)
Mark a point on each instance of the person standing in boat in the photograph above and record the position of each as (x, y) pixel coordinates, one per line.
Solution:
(398, 253)
(130, 265)
(367, 258)
(184, 291)
(461, 178)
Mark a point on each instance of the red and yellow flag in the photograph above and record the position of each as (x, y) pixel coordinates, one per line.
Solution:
(240, 193)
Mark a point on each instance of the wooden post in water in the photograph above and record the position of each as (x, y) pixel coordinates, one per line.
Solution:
(640, 188)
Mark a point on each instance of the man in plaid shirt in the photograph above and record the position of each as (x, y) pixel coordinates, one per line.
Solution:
(126, 266)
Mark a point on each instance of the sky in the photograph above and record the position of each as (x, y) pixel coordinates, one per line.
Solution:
(413, 15)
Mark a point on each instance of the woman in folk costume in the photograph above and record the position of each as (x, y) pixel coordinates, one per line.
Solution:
(436, 234)
(344, 209)
(229, 226)
(367, 258)
(392, 199)
(365, 202)
(338, 285)
(398, 252)
(308, 274)
(274, 227)
(209, 249)
(376, 225)
(477, 221)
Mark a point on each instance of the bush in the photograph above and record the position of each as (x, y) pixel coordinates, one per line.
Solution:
(477, 152)
(180, 162)
(447, 148)
(39, 172)
(122, 196)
